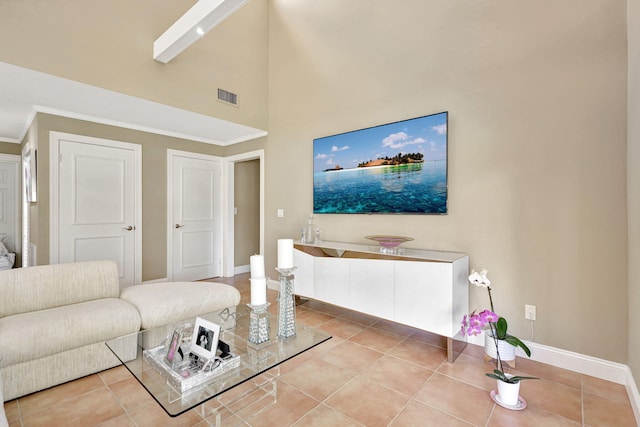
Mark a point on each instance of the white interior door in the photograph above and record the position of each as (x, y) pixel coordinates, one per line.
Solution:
(97, 211)
(195, 226)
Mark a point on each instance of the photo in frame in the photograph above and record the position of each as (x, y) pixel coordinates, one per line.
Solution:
(394, 168)
(174, 347)
(204, 341)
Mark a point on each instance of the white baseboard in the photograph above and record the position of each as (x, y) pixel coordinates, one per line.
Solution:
(273, 284)
(634, 396)
(576, 362)
(240, 269)
(604, 369)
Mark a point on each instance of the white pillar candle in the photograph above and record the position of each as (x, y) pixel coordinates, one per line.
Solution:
(285, 253)
(259, 291)
(257, 266)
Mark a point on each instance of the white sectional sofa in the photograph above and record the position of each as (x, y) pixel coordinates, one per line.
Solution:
(55, 319)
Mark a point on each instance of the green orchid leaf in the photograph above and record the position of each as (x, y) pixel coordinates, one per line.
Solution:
(514, 341)
(520, 378)
(501, 328)
(494, 376)
(499, 375)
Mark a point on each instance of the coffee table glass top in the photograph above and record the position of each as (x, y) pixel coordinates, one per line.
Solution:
(253, 361)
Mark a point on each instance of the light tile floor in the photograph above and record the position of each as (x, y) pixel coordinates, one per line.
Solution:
(371, 373)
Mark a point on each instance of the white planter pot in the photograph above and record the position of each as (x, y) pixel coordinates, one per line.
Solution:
(507, 351)
(508, 393)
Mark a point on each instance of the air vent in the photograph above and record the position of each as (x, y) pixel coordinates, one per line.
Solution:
(228, 97)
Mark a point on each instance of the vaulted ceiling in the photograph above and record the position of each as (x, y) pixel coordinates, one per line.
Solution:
(25, 92)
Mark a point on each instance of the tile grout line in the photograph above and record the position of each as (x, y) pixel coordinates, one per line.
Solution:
(582, 401)
(19, 412)
(67, 400)
(490, 415)
(116, 398)
(441, 410)
(387, 352)
(324, 401)
(362, 375)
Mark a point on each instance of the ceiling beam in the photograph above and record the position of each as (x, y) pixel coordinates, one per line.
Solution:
(197, 21)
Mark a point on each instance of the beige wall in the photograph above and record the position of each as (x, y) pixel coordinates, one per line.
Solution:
(633, 180)
(537, 98)
(110, 45)
(245, 147)
(536, 93)
(9, 148)
(247, 221)
(154, 184)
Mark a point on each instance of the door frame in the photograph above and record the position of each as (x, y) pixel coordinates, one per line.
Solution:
(171, 153)
(16, 159)
(28, 256)
(54, 196)
(228, 201)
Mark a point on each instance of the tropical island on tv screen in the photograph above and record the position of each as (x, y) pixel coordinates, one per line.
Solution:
(397, 168)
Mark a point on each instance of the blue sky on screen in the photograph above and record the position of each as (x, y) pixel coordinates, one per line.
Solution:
(426, 135)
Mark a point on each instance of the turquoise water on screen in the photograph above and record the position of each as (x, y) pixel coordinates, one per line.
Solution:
(419, 188)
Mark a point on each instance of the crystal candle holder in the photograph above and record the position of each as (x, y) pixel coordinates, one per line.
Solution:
(286, 304)
(259, 327)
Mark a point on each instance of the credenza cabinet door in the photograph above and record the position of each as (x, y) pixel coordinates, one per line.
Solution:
(303, 280)
(423, 297)
(431, 294)
(331, 277)
(372, 287)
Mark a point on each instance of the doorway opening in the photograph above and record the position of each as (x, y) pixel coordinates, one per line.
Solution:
(252, 165)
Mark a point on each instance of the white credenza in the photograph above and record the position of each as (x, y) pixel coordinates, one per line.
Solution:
(425, 289)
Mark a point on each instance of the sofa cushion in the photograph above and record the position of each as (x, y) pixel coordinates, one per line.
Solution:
(33, 335)
(41, 287)
(161, 304)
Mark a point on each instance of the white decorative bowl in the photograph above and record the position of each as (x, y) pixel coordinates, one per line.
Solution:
(389, 244)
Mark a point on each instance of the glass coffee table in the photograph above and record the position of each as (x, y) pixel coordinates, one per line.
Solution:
(258, 366)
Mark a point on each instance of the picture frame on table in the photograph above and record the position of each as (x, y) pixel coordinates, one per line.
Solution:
(174, 347)
(204, 341)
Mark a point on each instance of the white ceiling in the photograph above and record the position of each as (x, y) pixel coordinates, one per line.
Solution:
(25, 92)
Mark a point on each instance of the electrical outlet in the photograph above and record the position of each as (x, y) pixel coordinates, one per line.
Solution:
(280, 213)
(530, 312)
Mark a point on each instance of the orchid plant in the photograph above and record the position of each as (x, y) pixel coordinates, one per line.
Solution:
(472, 324)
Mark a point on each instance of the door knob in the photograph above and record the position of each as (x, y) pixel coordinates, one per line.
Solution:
(179, 225)
(129, 228)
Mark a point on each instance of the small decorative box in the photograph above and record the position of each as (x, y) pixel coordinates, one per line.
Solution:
(185, 376)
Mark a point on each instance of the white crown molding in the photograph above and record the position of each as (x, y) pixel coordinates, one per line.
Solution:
(128, 125)
(28, 92)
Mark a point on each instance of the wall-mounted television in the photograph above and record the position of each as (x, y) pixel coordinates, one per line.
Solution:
(396, 168)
